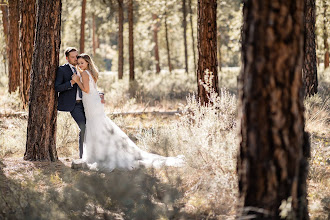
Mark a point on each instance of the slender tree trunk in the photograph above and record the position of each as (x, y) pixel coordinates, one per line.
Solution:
(192, 34)
(325, 35)
(27, 27)
(5, 23)
(130, 41)
(155, 30)
(82, 26)
(219, 49)
(272, 164)
(167, 41)
(207, 48)
(5, 20)
(94, 34)
(120, 39)
(41, 131)
(310, 65)
(13, 40)
(184, 23)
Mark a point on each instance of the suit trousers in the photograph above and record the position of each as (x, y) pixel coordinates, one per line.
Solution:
(78, 115)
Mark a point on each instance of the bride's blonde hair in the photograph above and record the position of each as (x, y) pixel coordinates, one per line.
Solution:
(91, 66)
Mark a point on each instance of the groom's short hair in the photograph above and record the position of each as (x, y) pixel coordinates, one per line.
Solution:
(68, 50)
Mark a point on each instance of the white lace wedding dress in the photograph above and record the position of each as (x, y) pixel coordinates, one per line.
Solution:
(107, 146)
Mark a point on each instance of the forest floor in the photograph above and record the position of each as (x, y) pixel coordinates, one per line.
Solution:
(206, 188)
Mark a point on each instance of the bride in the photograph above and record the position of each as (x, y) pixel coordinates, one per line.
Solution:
(106, 145)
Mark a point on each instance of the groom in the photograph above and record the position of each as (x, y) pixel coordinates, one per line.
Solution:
(70, 95)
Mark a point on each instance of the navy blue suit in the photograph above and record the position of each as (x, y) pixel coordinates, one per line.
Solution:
(67, 100)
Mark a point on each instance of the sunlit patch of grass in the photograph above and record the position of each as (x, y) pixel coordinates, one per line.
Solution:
(12, 137)
(67, 136)
(317, 116)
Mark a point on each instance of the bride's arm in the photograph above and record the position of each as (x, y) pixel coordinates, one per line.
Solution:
(84, 85)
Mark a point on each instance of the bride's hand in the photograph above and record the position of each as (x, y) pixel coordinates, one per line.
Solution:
(75, 77)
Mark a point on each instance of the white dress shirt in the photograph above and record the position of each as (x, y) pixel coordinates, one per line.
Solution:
(78, 73)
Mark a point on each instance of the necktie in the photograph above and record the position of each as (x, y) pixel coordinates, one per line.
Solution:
(79, 90)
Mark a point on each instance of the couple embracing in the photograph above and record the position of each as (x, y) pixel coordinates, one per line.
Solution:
(102, 144)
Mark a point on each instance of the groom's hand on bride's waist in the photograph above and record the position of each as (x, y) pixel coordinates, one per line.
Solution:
(101, 94)
(75, 77)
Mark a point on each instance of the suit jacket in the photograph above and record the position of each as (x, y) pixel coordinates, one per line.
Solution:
(67, 93)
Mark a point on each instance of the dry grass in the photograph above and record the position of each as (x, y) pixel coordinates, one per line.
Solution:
(317, 115)
(204, 189)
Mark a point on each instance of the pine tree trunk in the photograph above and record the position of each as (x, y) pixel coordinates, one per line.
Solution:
(120, 39)
(13, 39)
(184, 23)
(192, 35)
(5, 23)
(130, 41)
(155, 31)
(272, 164)
(94, 34)
(310, 68)
(207, 47)
(4, 10)
(41, 131)
(82, 26)
(27, 28)
(325, 35)
(167, 40)
(219, 49)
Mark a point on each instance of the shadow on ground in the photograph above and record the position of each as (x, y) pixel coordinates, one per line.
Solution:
(42, 190)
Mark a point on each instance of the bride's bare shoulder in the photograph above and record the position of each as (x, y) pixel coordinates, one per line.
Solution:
(84, 73)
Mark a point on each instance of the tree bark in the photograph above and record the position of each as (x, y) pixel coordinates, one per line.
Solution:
(325, 35)
(192, 34)
(4, 10)
(207, 48)
(41, 130)
(184, 23)
(131, 44)
(272, 164)
(310, 65)
(82, 26)
(120, 39)
(155, 31)
(167, 40)
(219, 49)
(94, 34)
(13, 40)
(27, 28)
(5, 23)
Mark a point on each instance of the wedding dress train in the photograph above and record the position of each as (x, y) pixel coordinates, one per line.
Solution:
(107, 146)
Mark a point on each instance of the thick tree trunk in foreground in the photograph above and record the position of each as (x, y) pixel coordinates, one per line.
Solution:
(207, 47)
(155, 31)
(272, 164)
(13, 44)
(130, 41)
(82, 26)
(41, 131)
(27, 28)
(310, 65)
(120, 39)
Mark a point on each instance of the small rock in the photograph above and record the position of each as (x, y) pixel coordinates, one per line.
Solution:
(79, 164)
